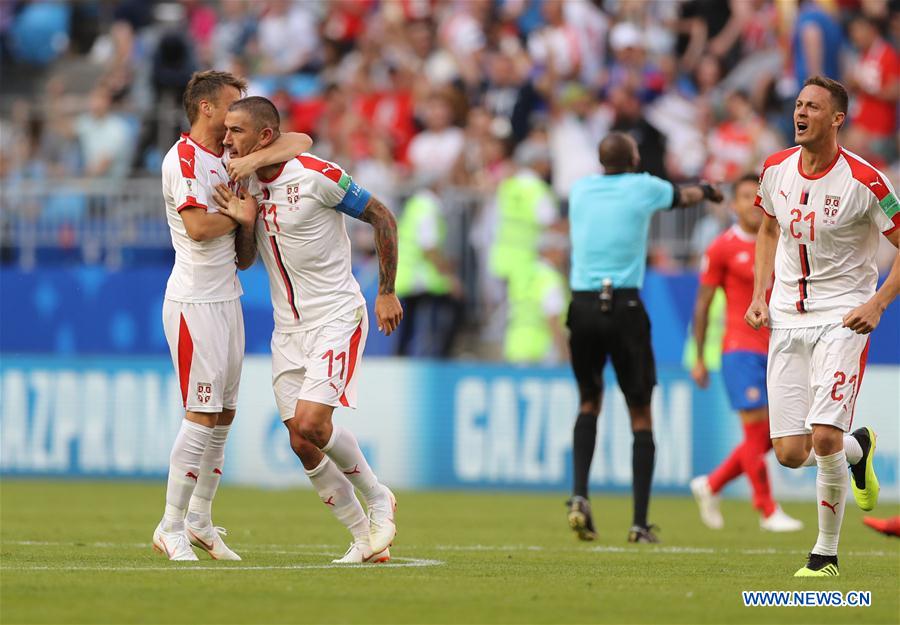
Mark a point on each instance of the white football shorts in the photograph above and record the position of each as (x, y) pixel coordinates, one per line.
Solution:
(207, 346)
(813, 377)
(321, 364)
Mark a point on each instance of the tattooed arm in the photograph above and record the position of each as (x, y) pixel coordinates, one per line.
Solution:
(388, 311)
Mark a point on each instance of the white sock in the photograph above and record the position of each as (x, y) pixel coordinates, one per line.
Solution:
(810, 459)
(344, 450)
(852, 448)
(831, 493)
(337, 493)
(184, 469)
(200, 507)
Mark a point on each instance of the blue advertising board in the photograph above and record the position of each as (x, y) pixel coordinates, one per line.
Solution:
(422, 425)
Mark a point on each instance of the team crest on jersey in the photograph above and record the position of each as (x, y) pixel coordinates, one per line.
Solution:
(832, 204)
(204, 392)
(293, 196)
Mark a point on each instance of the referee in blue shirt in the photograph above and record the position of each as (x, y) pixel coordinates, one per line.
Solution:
(609, 219)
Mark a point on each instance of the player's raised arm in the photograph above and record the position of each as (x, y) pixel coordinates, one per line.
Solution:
(284, 148)
(388, 311)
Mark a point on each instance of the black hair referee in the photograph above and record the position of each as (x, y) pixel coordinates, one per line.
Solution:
(609, 217)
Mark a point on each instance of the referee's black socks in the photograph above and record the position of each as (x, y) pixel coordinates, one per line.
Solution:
(585, 438)
(643, 453)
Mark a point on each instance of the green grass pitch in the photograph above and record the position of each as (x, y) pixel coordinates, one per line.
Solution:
(79, 552)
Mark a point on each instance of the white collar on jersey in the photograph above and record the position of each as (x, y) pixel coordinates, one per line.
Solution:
(742, 235)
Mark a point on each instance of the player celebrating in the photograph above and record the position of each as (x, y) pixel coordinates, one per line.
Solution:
(728, 264)
(826, 207)
(320, 314)
(202, 313)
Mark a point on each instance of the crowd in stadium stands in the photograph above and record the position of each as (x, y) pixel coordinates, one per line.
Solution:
(412, 95)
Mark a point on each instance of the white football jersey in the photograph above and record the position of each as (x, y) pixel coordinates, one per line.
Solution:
(204, 271)
(303, 241)
(830, 224)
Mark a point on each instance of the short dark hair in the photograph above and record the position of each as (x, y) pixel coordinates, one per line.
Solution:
(747, 177)
(206, 86)
(615, 152)
(261, 111)
(839, 98)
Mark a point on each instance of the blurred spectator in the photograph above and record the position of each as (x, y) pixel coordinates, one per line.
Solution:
(590, 25)
(716, 219)
(345, 22)
(435, 64)
(815, 42)
(426, 281)
(739, 143)
(538, 298)
(629, 118)
(684, 122)
(874, 85)
(287, 37)
(201, 20)
(434, 151)
(525, 206)
(577, 125)
(500, 88)
(232, 33)
(462, 29)
(104, 137)
(630, 68)
(556, 44)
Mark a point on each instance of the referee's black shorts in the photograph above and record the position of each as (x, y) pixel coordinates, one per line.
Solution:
(623, 334)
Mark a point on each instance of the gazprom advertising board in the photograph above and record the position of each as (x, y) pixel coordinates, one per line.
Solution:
(422, 425)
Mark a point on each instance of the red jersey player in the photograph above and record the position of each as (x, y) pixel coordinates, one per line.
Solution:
(825, 209)
(728, 263)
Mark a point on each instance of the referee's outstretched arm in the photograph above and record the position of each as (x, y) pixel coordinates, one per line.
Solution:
(690, 194)
(619, 155)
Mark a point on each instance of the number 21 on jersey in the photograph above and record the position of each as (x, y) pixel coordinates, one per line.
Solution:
(799, 217)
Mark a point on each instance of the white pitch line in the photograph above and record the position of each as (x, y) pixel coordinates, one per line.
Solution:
(327, 549)
(403, 563)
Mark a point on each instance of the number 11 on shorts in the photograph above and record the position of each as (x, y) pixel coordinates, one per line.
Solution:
(342, 356)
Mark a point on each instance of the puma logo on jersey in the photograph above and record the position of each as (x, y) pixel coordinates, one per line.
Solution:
(328, 168)
(875, 184)
(784, 195)
(190, 163)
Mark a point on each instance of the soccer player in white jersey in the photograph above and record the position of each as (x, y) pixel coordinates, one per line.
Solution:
(202, 313)
(320, 315)
(826, 209)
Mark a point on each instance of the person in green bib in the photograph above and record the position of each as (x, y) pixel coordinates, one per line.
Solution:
(538, 295)
(525, 207)
(426, 284)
